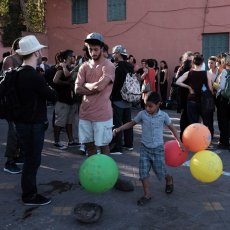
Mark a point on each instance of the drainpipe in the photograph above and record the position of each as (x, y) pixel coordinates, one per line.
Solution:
(205, 14)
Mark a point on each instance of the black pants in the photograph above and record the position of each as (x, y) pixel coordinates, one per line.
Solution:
(223, 118)
(32, 139)
(183, 121)
(195, 111)
(163, 90)
(120, 117)
(13, 149)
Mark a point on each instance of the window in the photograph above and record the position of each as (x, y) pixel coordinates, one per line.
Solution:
(79, 11)
(116, 10)
(214, 44)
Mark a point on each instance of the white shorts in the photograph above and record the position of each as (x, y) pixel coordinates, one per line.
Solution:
(99, 132)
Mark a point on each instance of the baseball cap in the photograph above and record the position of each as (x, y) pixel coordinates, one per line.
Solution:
(119, 49)
(94, 37)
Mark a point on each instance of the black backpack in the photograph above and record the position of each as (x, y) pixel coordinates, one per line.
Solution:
(10, 105)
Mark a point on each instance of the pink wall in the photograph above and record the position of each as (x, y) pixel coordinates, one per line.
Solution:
(153, 29)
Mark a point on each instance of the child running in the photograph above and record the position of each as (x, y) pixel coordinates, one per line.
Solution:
(152, 120)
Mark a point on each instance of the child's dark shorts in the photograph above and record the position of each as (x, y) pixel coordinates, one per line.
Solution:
(152, 158)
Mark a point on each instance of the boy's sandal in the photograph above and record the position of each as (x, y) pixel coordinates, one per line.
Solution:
(169, 187)
(143, 200)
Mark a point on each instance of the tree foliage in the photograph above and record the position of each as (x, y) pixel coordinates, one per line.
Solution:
(3, 7)
(34, 15)
(12, 24)
(3, 11)
(21, 15)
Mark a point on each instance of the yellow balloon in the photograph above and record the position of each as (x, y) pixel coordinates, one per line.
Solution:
(206, 166)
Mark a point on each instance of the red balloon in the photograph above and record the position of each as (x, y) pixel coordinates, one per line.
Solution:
(174, 156)
(196, 137)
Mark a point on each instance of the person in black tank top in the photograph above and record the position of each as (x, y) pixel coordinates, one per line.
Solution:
(193, 80)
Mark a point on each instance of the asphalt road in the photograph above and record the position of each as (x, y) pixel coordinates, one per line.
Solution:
(192, 205)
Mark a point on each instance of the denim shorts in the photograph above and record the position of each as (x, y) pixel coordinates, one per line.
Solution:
(152, 158)
(99, 132)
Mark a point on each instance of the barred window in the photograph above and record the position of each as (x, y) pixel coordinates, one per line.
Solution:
(116, 10)
(79, 11)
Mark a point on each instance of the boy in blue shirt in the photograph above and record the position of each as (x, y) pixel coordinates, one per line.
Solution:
(152, 120)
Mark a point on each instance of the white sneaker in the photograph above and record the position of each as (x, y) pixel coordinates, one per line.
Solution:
(82, 148)
(60, 146)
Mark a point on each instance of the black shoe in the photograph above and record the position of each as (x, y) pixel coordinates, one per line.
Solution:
(114, 150)
(127, 148)
(19, 161)
(73, 144)
(60, 146)
(36, 200)
(12, 168)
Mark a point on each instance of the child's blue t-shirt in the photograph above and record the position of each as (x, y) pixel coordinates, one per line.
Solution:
(152, 127)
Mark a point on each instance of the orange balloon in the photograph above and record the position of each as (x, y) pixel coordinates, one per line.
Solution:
(174, 156)
(196, 137)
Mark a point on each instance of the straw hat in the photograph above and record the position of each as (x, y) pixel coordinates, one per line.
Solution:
(28, 45)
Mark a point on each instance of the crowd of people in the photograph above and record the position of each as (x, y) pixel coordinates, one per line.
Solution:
(88, 88)
(193, 81)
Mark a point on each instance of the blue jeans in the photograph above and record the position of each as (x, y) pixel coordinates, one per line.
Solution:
(32, 138)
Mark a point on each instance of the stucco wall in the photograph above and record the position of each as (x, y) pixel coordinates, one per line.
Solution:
(153, 29)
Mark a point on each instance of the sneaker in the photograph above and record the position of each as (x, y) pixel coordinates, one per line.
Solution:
(12, 168)
(19, 161)
(37, 200)
(127, 148)
(82, 149)
(114, 150)
(73, 144)
(60, 146)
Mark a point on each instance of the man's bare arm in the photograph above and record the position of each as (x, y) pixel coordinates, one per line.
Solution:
(57, 78)
(99, 85)
(82, 90)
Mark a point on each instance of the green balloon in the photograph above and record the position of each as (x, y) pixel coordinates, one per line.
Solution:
(98, 173)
